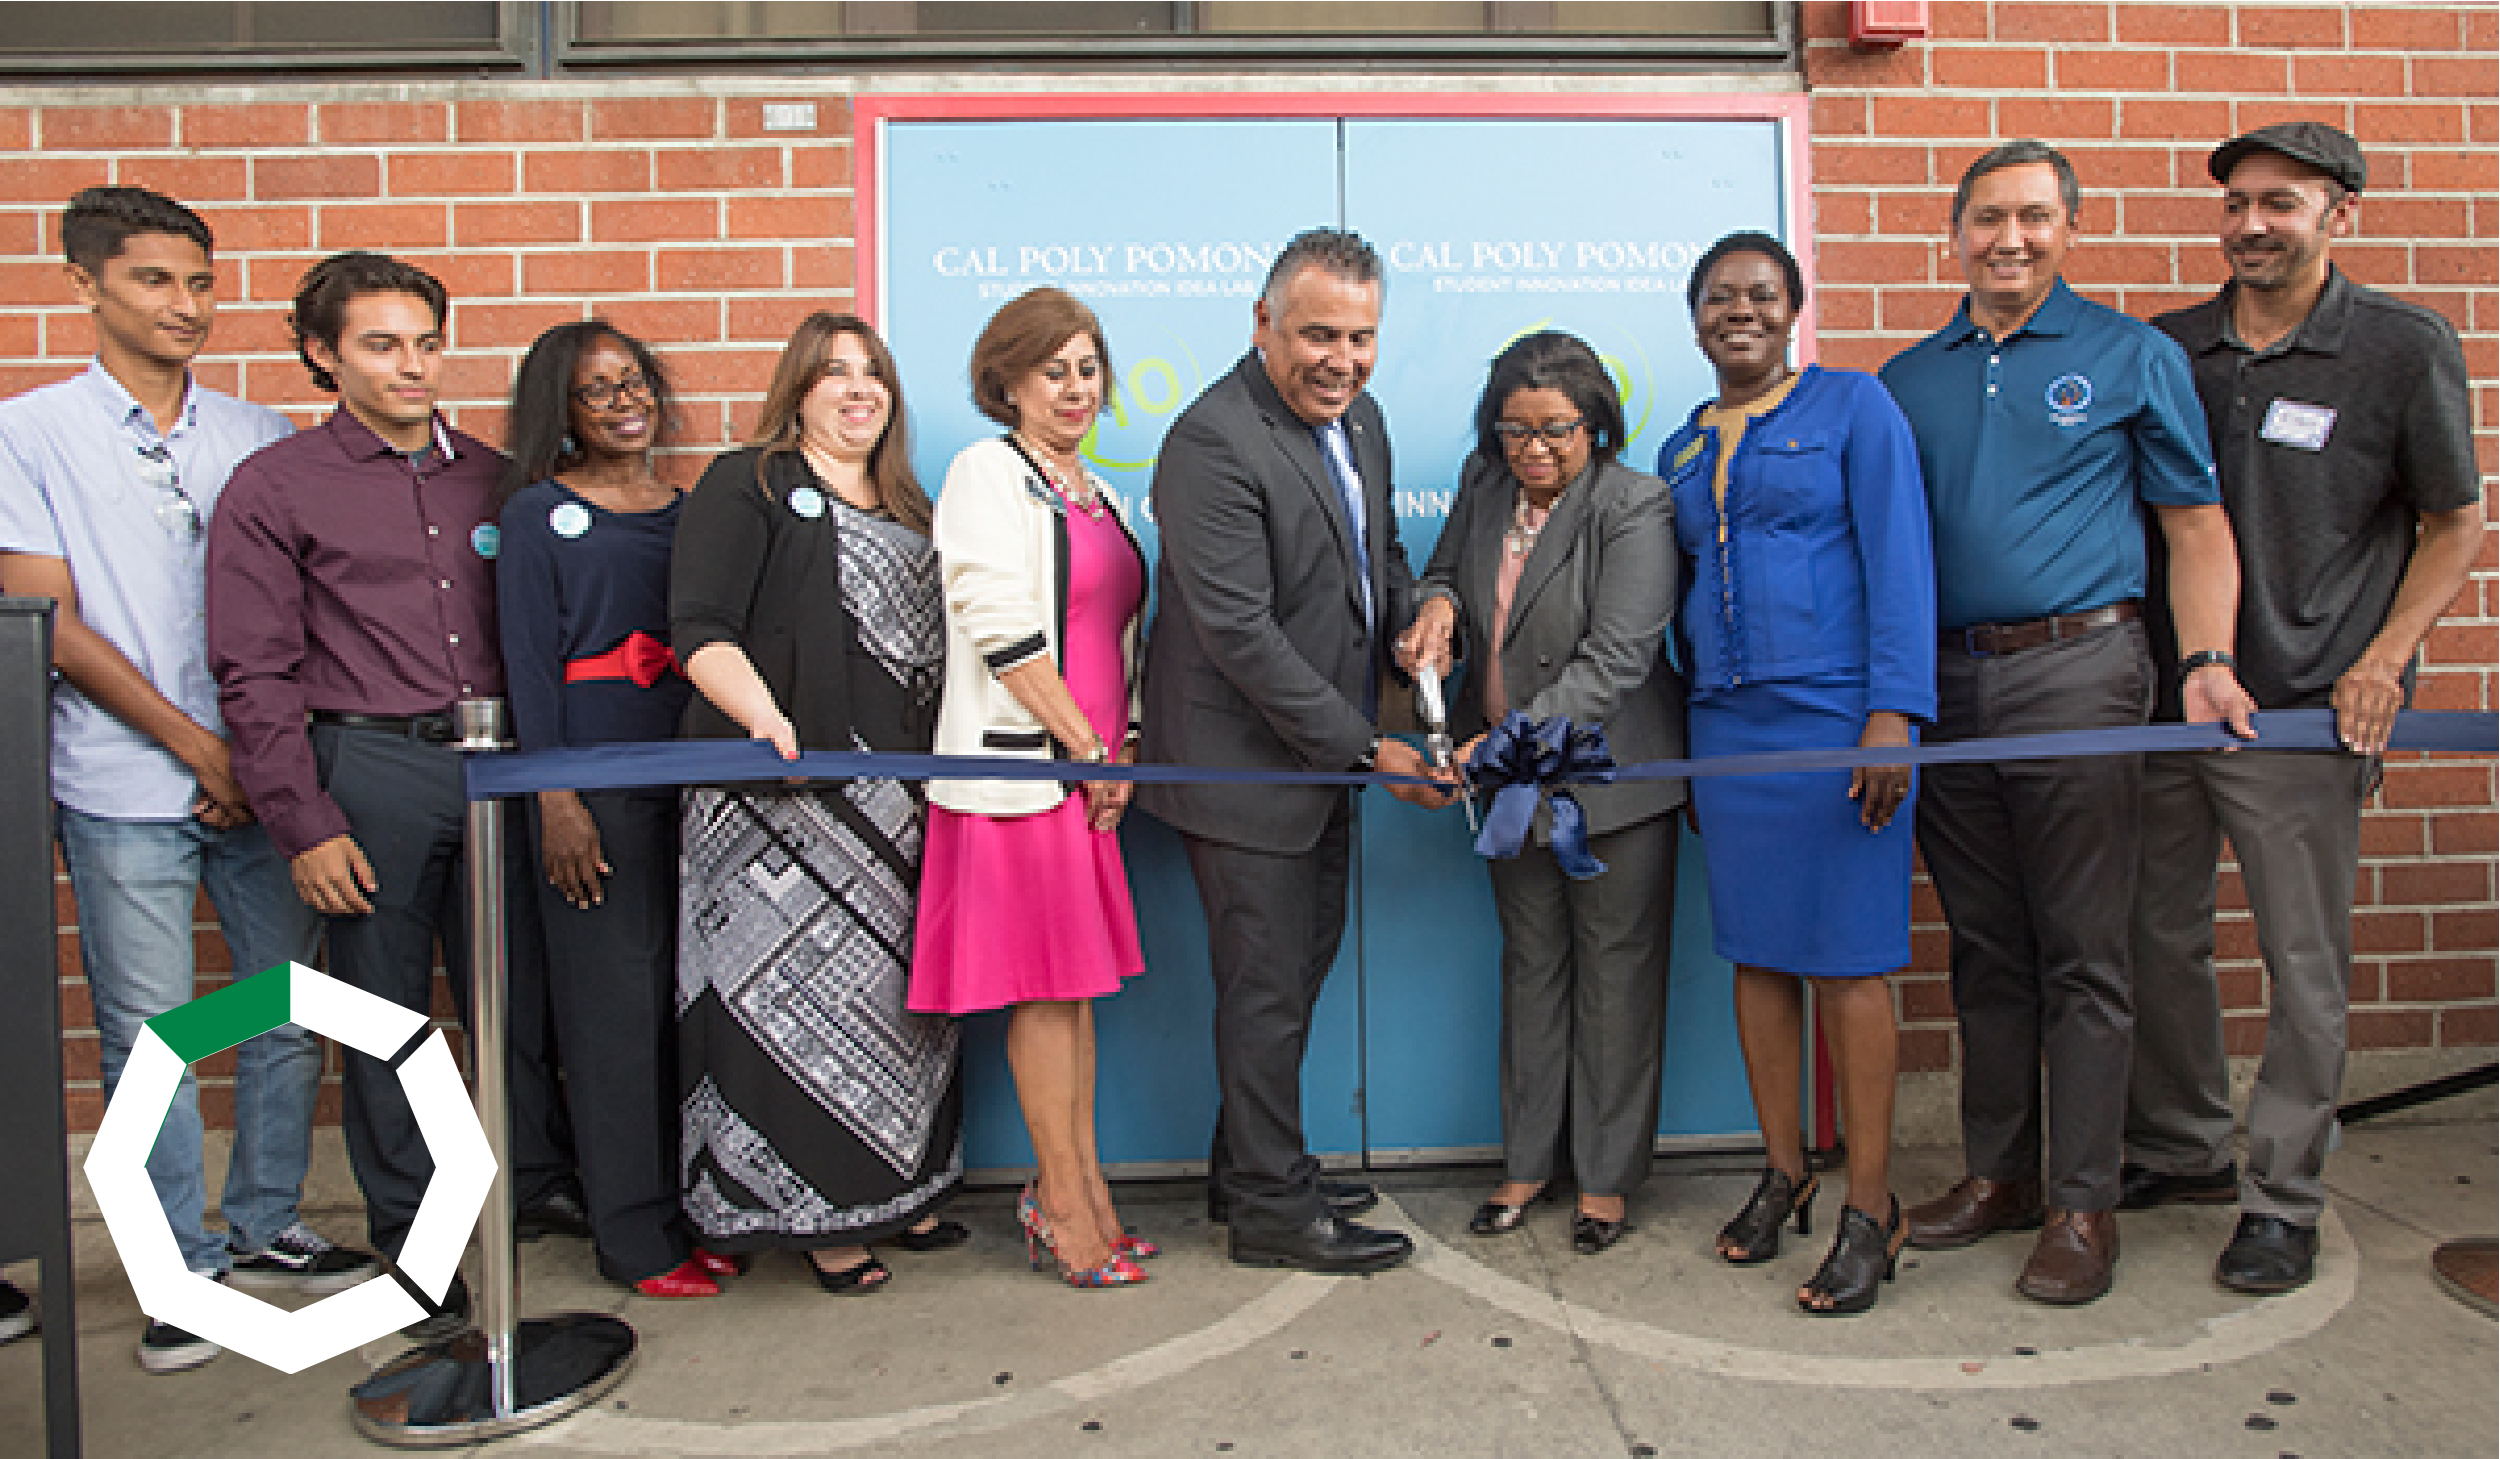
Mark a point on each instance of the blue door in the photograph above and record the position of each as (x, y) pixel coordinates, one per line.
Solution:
(1167, 230)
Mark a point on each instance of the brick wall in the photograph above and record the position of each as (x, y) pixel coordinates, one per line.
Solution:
(2137, 95)
(662, 204)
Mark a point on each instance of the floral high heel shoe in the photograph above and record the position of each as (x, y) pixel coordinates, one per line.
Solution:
(1117, 1270)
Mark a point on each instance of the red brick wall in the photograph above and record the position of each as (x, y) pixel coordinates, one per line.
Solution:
(674, 215)
(666, 207)
(2138, 94)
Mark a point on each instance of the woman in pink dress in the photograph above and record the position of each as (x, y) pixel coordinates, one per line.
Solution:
(1024, 903)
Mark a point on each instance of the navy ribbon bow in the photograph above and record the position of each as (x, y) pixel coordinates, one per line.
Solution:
(1524, 761)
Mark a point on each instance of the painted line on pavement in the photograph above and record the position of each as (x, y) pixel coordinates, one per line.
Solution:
(614, 1431)
(2263, 1325)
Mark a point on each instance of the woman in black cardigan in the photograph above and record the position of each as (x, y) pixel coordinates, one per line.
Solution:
(819, 1114)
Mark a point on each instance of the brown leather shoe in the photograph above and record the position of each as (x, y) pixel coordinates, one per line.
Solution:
(2075, 1257)
(1975, 1207)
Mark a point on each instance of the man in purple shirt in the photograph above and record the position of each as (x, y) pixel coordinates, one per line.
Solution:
(351, 604)
(106, 481)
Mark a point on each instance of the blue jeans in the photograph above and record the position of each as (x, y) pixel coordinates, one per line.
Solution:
(137, 883)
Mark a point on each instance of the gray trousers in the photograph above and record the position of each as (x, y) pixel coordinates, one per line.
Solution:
(2035, 862)
(2294, 819)
(1584, 1004)
(1273, 925)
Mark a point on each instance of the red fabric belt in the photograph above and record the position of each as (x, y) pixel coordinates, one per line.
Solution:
(641, 658)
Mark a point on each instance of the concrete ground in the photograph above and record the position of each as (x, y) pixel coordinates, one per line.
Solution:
(1510, 1346)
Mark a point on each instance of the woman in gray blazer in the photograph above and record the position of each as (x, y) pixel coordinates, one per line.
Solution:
(1554, 579)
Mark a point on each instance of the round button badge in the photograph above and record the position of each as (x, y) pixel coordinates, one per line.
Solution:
(487, 538)
(569, 520)
(808, 502)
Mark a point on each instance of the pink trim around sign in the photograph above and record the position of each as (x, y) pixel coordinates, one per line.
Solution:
(870, 113)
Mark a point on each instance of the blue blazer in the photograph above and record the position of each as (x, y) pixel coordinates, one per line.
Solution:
(1824, 571)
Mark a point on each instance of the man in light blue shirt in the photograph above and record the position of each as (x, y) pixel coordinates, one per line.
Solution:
(107, 482)
(2049, 428)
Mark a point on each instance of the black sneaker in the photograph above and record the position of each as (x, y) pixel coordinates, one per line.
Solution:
(165, 1348)
(17, 1313)
(443, 1320)
(303, 1260)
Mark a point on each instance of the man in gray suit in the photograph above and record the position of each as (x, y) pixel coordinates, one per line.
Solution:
(1280, 589)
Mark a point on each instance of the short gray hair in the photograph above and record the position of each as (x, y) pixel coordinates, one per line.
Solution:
(1336, 250)
(2021, 152)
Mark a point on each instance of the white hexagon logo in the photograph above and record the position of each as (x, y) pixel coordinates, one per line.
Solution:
(464, 1168)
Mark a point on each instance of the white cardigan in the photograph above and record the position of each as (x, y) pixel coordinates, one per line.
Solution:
(1001, 536)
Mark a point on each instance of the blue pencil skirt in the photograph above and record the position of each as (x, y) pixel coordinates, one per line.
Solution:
(1797, 882)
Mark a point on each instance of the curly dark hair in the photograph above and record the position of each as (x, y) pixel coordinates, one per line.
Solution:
(322, 297)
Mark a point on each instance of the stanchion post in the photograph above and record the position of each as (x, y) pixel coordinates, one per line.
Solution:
(548, 1368)
(489, 995)
(34, 1220)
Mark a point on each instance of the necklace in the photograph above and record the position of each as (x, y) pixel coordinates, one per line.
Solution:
(1526, 522)
(1085, 500)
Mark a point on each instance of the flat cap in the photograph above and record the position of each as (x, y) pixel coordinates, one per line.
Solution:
(2315, 144)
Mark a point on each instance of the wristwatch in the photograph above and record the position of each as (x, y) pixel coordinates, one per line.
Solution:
(2206, 658)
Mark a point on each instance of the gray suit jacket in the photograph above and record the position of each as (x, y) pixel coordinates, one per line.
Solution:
(1587, 631)
(1258, 655)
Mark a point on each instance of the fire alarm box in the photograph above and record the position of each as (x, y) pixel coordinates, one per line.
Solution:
(1886, 24)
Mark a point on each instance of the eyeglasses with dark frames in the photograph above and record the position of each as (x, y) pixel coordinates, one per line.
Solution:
(608, 394)
(1517, 434)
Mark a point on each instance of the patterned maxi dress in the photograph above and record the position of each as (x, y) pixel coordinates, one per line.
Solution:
(817, 1110)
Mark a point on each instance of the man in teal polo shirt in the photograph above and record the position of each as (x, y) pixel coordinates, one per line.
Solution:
(2046, 425)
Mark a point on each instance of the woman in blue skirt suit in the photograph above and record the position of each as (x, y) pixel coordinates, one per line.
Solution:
(1808, 623)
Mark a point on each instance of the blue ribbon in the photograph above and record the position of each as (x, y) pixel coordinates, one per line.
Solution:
(1526, 761)
(714, 762)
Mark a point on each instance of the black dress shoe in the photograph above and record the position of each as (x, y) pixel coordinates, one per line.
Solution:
(1342, 1197)
(443, 1320)
(2141, 1189)
(2268, 1254)
(560, 1212)
(1329, 1243)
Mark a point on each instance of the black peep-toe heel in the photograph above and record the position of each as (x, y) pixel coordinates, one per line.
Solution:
(1862, 1255)
(1756, 1229)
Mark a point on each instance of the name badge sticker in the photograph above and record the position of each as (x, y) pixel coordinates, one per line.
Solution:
(2298, 423)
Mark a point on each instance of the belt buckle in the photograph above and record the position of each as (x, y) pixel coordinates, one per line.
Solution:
(1970, 642)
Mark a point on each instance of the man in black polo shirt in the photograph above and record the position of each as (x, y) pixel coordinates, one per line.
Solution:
(2344, 437)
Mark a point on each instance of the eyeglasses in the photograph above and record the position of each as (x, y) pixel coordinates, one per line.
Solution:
(608, 394)
(1517, 434)
(174, 509)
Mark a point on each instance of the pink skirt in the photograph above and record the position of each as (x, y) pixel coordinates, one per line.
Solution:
(1021, 909)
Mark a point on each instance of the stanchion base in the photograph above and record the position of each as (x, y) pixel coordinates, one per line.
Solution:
(441, 1396)
(2468, 1269)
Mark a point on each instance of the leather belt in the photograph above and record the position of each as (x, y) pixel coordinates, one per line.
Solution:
(434, 729)
(1983, 639)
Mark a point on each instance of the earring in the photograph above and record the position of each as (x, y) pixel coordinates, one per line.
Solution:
(566, 446)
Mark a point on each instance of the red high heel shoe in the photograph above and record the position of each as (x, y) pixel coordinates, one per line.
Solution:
(1134, 1246)
(716, 1265)
(688, 1280)
(1117, 1269)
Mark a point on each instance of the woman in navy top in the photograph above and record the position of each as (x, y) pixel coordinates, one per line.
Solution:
(1809, 623)
(582, 590)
